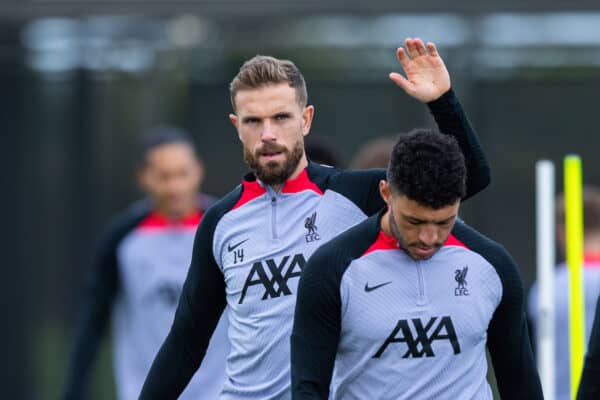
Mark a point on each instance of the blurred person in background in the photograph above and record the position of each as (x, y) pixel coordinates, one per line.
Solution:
(591, 284)
(140, 264)
(374, 154)
(253, 243)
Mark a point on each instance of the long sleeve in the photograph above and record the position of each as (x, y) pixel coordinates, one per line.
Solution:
(200, 306)
(589, 386)
(362, 187)
(316, 329)
(508, 339)
(99, 295)
(452, 120)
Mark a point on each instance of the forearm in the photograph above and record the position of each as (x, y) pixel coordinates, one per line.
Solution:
(90, 329)
(312, 366)
(452, 120)
(171, 370)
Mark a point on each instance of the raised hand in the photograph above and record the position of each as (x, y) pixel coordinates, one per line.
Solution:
(426, 75)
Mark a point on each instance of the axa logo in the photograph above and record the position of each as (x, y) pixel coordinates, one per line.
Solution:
(168, 294)
(273, 276)
(460, 276)
(420, 344)
(310, 225)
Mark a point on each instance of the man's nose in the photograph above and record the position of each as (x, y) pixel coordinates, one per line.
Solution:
(268, 131)
(428, 235)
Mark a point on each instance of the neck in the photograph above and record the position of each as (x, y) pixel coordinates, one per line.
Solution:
(385, 223)
(178, 214)
(302, 164)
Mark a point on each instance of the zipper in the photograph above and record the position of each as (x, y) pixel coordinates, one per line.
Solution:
(274, 216)
(273, 196)
(422, 299)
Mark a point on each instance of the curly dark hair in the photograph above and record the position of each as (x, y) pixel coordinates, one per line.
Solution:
(427, 167)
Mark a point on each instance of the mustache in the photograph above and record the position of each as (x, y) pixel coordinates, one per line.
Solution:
(271, 148)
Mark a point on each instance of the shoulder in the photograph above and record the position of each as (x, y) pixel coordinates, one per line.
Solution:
(493, 252)
(124, 222)
(222, 206)
(339, 252)
(327, 177)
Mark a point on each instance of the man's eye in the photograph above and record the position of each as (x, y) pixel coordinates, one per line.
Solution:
(282, 117)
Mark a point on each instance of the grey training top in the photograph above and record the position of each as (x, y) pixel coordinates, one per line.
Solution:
(372, 323)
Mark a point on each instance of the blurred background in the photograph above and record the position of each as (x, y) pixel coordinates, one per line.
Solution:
(80, 81)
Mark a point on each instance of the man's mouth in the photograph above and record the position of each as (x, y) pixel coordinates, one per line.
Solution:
(271, 155)
(424, 251)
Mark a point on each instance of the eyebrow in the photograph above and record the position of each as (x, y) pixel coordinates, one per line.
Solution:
(250, 117)
(418, 220)
(279, 114)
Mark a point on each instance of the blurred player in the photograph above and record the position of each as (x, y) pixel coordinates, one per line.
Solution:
(374, 154)
(139, 268)
(405, 303)
(252, 245)
(591, 285)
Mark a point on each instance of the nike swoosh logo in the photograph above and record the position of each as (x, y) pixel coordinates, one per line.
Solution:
(232, 248)
(370, 289)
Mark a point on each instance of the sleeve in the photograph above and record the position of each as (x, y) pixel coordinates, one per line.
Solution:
(316, 330)
(508, 339)
(589, 386)
(452, 120)
(200, 306)
(99, 295)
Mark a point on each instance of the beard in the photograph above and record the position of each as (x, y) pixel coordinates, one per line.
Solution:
(404, 243)
(274, 172)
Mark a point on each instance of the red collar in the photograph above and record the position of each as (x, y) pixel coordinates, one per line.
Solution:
(591, 259)
(386, 242)
(252, 188)
(155, 220)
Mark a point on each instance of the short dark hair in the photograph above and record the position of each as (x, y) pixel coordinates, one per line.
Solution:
(427, 167)
(260, 71)
(164, 135)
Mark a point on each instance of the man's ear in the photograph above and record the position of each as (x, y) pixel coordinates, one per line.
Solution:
(307, 118)
(384, 190)
(235, 122)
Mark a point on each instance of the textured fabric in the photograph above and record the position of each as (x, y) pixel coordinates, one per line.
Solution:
(371, 322)
(591, 287)
(250, 250)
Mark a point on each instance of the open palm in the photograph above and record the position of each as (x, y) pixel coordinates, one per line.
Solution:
(426, 75)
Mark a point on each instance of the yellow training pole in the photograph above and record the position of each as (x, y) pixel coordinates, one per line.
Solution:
(574, 236)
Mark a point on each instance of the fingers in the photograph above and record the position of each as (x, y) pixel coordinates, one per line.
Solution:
(411, 48)
(401, 81)
(432, 50)
(402, 57)
(420, 47)
(416, 47)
